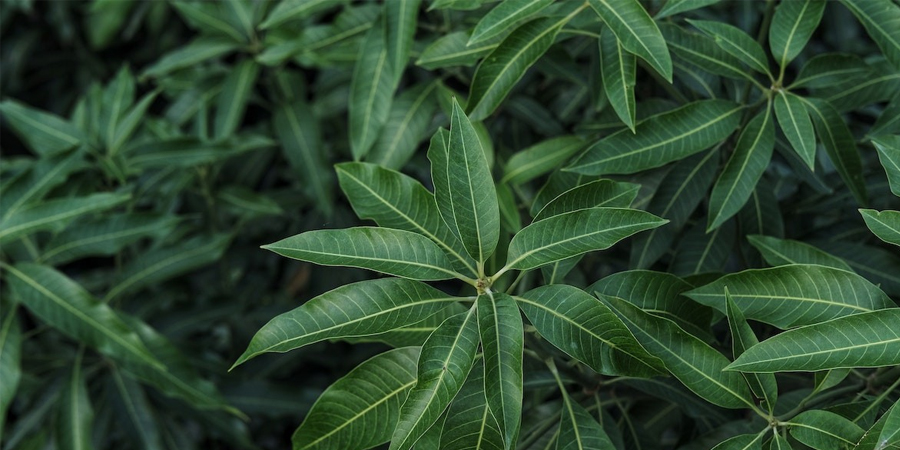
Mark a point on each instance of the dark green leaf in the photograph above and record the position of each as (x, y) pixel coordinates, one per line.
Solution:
(502, 341)
(599, 193)
(823, 430)
(736, 42)
(42, 132)
(889, 154)
(540, 159)
(884, 224)
(301, 140)
(797, 127)
(636, 32)
(370, 92)
(618, 69)
(503, 17)
(780, 252)
(792, 25)
(881, 18)
(233, 99)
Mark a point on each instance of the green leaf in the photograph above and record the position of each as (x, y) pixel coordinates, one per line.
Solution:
(371, 89)
(780, 442)
(503, 17)
(10, 358)
(565, 235)
(298, 131)
(467, 200)
(792, 25)
(742, 442)
(36, 182)
(830, 69)
(881, 18)
(42, 132)
(763, 385)
(294, 10)
(824, 430)
(618, 70)
(699, 253)
(598, 193)
(410, 116)
(797, 127)
(76, 416)
(704, 52)
(884, 224)
(394, 200)
(360, 409)
(400, 28)
(208, 18)
(585, 329)
(135, 116)
(412, 335)
(506, 65)
(661, 139)
(859, 340)
(358, 309)
(131, 401)
(744, 168)
(885, 433)
(578, 430)
(447, 357)
(502, 341)
(780, 252)
(636, 32)
(470, 423)
(736, 42)
(793, 295)
(672, 7)
(55, 214)
(689, 359)
(232, 100)
(888, 148)
(201, 49)
(117, 97)
(539, 159)
(889, 120)
(451, 50)
(104, 236)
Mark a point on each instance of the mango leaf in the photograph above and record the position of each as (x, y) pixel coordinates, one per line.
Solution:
(673, 7)
(742, 442)
(743, 170)
(699, 253)
(446, 359)
(370, 92)
(360, 409)
(130, 400)
(585, 329)
(451, 50)
(10, 358)
(636, 32)
(858, 340)
(763, 385)
(889, 120)
(689, 359)
(209, 18)
(574, 233)
(135, 116)
(540, 159)
(780, 442)
(394, 200)
(201, 49)
(410, 116)
(506, 65)
(578, 430)
(598, 193)
(880, 18)
(400, 28)
(884, 224)
(618, 70)
(357, 309)
(301, 141)
(503, 17)
(293, 10)
(55, 214)
(412, 335)
(76, 416)
(780, 252)
(889, 154)
(704, 53)
(470, 423)
(797, 127)
(502, 341)
(40, 179)
(104, 236)
(42, 132)
(232, 100)
(661, 139)
(884, 433)
(830, 69)
(792, 26)
(824, 430)
(736, 42)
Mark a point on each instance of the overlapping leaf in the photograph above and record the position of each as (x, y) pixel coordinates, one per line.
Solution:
(502, 341)
(636, 31)
(797, 127)
(595, 194)
(779, 252)
(370, 92)
(885, 224)
(792, 26)
(889, 154)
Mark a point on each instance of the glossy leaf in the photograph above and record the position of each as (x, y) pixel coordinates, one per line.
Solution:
(55, 214)
(636, 32)
(780, 252)
(410, 116)
(370, 92)
(618, 69)
(704, 52)
(503, 17)
(233, 99)
(502, 341)
(881, 18)
(598, 193)
(763, 385)
(888, 148)
(736, 42)
(470, 423)
(884, 224)
(300, 138)
(400, 28)
(42, 132)
(742, 442)
(412, 335)
(792, 26)
(824, 430)
(884, 433)
(797, 127)
(540, 159)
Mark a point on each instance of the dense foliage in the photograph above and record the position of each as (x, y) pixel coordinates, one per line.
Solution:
(601, 224)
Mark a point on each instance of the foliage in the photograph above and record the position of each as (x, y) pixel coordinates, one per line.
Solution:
(637, 225)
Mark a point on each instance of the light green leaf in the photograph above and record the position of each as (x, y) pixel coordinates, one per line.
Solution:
(661, 139)
(797, 127)
(888, 148)
(830, 69)
(298, 131)
(360, 409)
(410, 116)
(540, 159)
(824, 430)
(400, 18)
(358, 309)
(636, 32)
(394, 200)
(792, 25)
(505, 66)
(689, 359)
(370, 92)
(451, 50)
(881, 18)
(44, 175)
(570, 234)
(10, 357)
(55, 214)
(470, 423)
(502, 341)
(884, 224)
(76, 416)
(585, 329)
(794, 295)
(735, 42)
(197, 51)
(104, 236)
(447, 357)
(763, 385)
(672, 7)
(743, 170)
(232, 100)
(598, 193)
(503, 17)
(294, 10)
(780, 252)
(42, 132)
(617, 68)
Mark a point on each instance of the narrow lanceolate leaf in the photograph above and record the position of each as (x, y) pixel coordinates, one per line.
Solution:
(38, 181)
(502, 341)
(736, 42)
(104, 236)
(795, 123)
(637, 32)
(824, 430)
(411, 114)
(291, 10)
(358, 309)
(866, 339)
(691, 360)
(233, 99)
(882, 21)
(617, 68)
(889, 120)
(578, 430)
(792, 25)
(673, 7)
(884, 224)
(10, 358)
(412, 335)
(742, 338)
(55, 214)
(704, 52)
(540, 159)
(131, 403)
(885, 433)
(42, 132)
(400, 19)
(699, 252)
(888, 148)
(574, 233)
(794, 295)
(446, 359)
(301, 141)
(470, 423)
(608, 193)
(451, 50)
(395, 252)
(394, 200)
(743, 442)
(840, 145)
(76, 416)
(503, 17)
(661, 139)
(585, 329)
(370, 92)
(832, 69)
(197, 51)
(470, 198)
(361, 409)
(780, 252)
(744, 168)
(126, 127)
